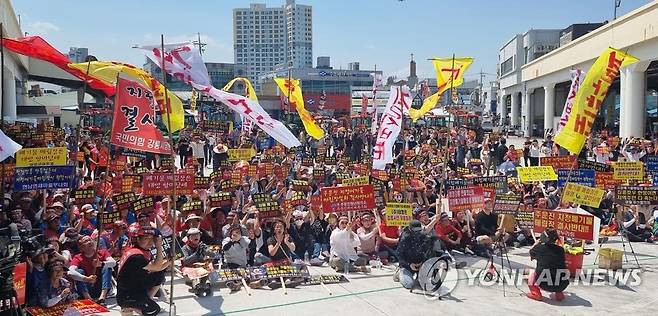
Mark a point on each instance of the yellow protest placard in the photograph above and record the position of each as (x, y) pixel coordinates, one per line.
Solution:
(398, 214)
(583, 195)
(628, 170)
(356, 181)
(241, 154)
(537, 173)
(38, 157)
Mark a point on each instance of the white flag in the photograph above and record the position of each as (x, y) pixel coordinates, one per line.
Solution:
(184, 62)
(576, 80)
(8, 147)
(390, 125)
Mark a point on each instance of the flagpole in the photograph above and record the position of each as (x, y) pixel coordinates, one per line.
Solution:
(2, 102)
(288, 97)
(171, 144)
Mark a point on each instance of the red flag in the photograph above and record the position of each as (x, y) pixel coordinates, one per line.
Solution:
(134, 119)
(36, 47)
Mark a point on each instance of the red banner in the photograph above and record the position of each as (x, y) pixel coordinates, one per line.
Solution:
(350, 198)
(80, 307)
(568, 224)
(20, 276)
(604, 181)
(163, 183)
(560, 162)
(134, 119)
(466, 199)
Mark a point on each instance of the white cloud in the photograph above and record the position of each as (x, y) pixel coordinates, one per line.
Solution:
(41, 28)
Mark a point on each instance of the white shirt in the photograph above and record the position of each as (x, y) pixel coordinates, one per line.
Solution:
(344, 243)
(197, 149)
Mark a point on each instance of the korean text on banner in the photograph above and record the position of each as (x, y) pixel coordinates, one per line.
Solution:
(356, 181)
(576, 80)
(390, 125)
(560, 162)
(628, 170)
(470, 198)
(163, 183)
(581, 194)
(183, 62)
(134, 126)
(345, 199)
(241, 154)
(43, 178)
(36, 157)
(398, 214)
(636, 195)
(537, 173)
(589, 98)
(579, 176)
(568, 224)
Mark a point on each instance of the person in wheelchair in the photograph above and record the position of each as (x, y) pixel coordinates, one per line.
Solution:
(196, 254)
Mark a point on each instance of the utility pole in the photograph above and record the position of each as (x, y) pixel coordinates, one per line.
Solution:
(199, 43)
(617, 5)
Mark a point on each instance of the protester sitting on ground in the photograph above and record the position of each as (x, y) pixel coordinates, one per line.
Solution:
(428, 223)
(634, 226)
(68, 240)
(57, 289)
(279, 246)
(89, 264)
(235, 247)
(344, 243)
(450, 235)
(550, 274)
(389, 239)
(368, 236)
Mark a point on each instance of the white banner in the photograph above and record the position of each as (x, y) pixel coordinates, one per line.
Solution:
(576, 80)
(390, 125)
(184, 62)
(246, 125)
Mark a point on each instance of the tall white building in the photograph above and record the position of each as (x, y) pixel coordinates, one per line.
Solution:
(265, 39)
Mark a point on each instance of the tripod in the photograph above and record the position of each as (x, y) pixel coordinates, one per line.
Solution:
(499, 245)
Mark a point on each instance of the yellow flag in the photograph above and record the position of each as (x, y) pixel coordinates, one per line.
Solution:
(589, 98)
(251, 93)
(295, 98)
(108, 71)
(449, 74)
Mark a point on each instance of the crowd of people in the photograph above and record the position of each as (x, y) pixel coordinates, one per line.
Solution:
(80, 259)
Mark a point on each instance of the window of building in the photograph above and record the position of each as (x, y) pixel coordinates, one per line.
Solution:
(506, 66)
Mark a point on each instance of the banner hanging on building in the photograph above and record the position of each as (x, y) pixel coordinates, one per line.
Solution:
(589, 98)
(134, 126)
(390, 125)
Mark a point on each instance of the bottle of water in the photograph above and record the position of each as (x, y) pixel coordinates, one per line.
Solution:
(346, 266)
(306, 258)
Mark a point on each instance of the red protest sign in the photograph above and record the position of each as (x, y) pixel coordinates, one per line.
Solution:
(134, 126)
(568, 224)
(79, 307)
(604, 180)
(163, 183)
(560, 162)
(20, 277)
(350, 198)
(466, 199)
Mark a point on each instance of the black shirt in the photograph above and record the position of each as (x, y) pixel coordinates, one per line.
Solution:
(281, 253)
(550, 257)
(130, 281)
(486, 224)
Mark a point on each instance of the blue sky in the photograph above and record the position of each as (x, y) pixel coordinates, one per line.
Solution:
(381, 32)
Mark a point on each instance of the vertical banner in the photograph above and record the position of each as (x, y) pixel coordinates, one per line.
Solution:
(390, 125)
(134, 126)
(589, 98)
(576, 80)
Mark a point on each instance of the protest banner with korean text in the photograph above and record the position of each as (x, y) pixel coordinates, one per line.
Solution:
(580, 176)
(628, 170)
(593, 165)
(560, 162)
(241, 154)
(605, 180)
(581, 194)
(398, 214)
(356, 181)
(507, 204)
(636, 195)
(78, 307)
(37, 157)
(568, 224)
(163, 183)
(43, 178)
(349, 198)
(537, 173)
(465, 199)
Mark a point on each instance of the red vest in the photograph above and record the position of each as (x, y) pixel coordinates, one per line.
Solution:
(133, 251)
